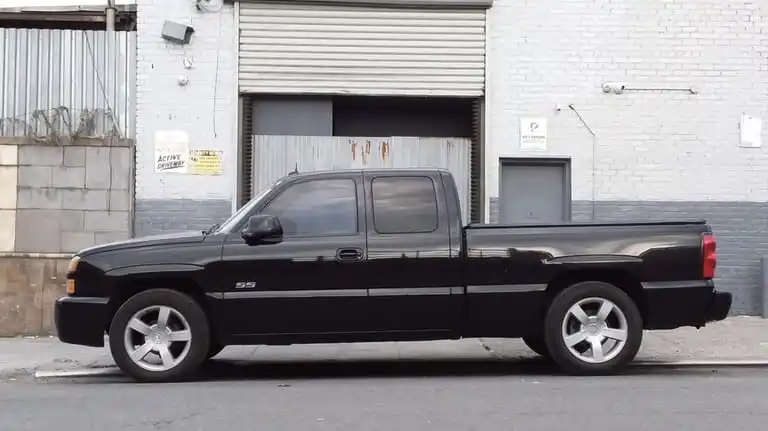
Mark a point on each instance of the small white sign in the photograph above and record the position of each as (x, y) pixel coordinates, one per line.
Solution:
(171, 151)
(533, 133)
(751, 131)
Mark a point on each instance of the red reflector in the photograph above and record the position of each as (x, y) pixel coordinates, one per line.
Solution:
(709, 255)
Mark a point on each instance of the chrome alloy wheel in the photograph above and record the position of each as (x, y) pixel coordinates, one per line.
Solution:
(157, 338)
(595, 330)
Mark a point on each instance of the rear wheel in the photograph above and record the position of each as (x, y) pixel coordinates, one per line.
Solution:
(593, 328)
(159, 335)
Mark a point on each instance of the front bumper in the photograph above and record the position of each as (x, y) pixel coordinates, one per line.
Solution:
(719, 307)
(81, 321)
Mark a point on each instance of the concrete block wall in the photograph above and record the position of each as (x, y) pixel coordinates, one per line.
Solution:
(206, 108)
(63, 198)
(657, 154)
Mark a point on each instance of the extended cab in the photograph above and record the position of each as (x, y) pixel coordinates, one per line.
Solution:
(382, 255)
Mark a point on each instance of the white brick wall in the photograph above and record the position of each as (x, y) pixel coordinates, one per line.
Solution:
(206, 108)
(651, 145)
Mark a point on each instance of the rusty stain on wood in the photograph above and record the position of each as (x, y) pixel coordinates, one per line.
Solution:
(366, 151)
(384, 149)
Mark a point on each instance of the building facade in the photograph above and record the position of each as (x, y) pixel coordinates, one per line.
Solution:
(67, 111)
(628, 109)
(67, 116)
(206, 109)
(667, 146)
(352, 83)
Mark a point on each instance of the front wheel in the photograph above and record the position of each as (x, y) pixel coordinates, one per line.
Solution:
(159, 335)
(593, 328)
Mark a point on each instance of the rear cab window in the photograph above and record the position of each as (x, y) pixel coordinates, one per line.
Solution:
(404, 204)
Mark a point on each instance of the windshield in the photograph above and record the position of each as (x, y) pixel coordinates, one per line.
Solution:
(235, 219)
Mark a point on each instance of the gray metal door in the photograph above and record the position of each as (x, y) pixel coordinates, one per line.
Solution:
(533, 193)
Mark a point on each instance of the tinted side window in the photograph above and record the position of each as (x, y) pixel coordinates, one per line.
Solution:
(317, 208)
(404, 205)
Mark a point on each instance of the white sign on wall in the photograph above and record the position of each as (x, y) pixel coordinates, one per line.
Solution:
(171, 151)
(533, 133)
(751, 131)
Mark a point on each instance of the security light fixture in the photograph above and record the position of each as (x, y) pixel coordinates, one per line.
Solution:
(177, 33)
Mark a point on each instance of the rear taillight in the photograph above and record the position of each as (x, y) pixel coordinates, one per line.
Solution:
(709, 255)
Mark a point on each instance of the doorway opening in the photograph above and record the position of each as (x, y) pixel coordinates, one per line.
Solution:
(365, 116)
(534, 190)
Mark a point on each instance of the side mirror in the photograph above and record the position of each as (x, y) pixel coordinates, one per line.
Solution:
(262, 229)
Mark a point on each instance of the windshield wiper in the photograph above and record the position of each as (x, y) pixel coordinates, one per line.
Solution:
(211, 229)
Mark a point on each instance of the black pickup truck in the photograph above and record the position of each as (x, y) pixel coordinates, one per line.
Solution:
(383, 255)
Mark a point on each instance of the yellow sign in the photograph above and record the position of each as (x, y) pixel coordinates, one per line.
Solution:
(204, 162)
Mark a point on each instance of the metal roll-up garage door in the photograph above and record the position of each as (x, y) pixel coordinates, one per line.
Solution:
(321, 49)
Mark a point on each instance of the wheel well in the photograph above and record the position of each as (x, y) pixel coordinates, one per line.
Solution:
(621, 279)
(128, 289)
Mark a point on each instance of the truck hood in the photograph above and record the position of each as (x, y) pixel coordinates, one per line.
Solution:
(146, 241)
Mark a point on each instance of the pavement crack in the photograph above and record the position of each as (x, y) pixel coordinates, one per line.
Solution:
(159, 424)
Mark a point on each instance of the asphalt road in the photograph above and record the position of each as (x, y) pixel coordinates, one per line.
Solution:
(389, 395)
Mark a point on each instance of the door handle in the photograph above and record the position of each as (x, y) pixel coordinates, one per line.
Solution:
(349, 254)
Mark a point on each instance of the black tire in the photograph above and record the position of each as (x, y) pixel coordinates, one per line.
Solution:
(538, 345)
(199, 330)
(556, 314)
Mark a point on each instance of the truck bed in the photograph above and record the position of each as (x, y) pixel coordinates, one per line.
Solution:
(590, 223)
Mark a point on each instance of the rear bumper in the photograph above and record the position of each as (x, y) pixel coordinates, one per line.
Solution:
(719, 307)
(81, 321)
(671, 305)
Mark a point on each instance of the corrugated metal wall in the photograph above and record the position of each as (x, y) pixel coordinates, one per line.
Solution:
(57, 83)
(276, 156)
(317, 49)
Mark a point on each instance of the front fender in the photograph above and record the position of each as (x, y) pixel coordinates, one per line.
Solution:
(131, 279)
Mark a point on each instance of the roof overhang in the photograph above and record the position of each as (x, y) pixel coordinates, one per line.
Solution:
(73, 9)
(437, 4)
(63, 5)
(67, 17)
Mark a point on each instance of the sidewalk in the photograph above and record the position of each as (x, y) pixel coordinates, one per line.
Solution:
(735, 339)
(738, 338)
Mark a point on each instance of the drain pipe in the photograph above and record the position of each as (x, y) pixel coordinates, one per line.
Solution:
(594, 155)
(111, 12)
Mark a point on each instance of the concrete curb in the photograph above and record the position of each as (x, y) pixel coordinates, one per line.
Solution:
(703, 363)
(115, 371)
(85, 372)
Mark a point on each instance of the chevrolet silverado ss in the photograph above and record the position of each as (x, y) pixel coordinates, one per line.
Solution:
(383, 255)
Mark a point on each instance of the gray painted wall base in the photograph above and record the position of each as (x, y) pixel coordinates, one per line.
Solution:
(764, 286)
(741, 229)
(159, 216)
